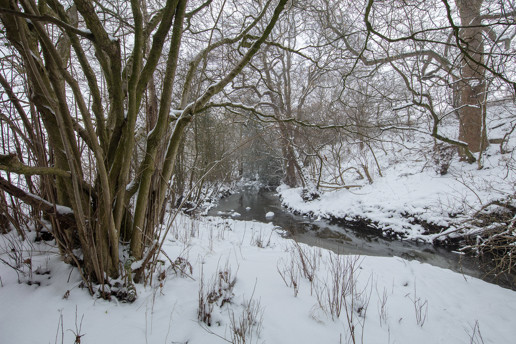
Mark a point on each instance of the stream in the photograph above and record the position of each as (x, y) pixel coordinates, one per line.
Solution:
(252, 204)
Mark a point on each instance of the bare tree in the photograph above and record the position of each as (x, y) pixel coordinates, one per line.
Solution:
(99, 76)
(445, 53)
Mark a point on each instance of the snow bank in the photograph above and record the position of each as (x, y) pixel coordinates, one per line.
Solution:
(409, 197)
(395, 300)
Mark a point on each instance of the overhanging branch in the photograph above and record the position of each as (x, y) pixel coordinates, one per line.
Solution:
(11, 163)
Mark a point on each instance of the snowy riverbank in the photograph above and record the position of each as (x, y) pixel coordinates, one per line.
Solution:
(256, 279)
(414, 202)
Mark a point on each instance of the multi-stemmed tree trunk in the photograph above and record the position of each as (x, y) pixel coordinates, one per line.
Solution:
(87, 94)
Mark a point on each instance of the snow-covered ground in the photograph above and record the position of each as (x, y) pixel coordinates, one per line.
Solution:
(410, 191)
(256, 279)
(400, 199)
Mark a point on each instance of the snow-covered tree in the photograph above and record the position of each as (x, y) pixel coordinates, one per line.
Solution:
(102, 111)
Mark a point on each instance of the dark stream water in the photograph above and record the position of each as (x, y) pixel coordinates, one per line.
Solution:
(253, 204)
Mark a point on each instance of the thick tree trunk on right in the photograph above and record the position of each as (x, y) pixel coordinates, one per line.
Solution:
(472, 84)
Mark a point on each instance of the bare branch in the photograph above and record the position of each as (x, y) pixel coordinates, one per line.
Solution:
(49, 19)
(11, 163)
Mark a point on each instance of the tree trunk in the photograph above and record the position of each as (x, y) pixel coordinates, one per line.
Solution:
(289, 156)
(472, 83)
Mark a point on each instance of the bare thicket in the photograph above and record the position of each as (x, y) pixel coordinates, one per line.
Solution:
(247, 327)
(100, 99)
(216, 292)
(494, 241)
(340, 296)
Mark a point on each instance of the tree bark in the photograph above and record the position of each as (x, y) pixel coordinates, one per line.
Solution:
(472, 84)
